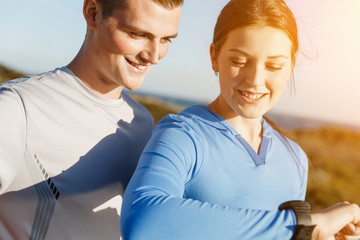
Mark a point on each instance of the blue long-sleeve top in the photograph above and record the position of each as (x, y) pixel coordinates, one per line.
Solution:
(198, 179)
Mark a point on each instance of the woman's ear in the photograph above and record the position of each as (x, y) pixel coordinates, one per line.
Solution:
(213, 56)
(293, 61)
(90, 10)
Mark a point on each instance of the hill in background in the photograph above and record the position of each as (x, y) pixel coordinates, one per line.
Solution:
(333, 151)
(8, 74)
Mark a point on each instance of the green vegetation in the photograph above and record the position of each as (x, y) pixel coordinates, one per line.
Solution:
(334, 154)
(8, 74)
(158, 108)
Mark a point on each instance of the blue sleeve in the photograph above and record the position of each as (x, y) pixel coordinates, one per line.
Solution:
(303, 164)
(154, 206)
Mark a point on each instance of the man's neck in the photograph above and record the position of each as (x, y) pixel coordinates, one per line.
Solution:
(82, 67)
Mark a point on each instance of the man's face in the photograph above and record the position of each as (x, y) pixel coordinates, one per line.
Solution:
(130, 41)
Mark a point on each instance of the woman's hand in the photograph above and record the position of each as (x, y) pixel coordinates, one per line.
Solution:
(349, 232)
(342, 219)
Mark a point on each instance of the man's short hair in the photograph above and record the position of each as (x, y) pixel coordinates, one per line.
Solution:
(110, 5)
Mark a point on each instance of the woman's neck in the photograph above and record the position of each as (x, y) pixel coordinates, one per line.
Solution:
(249, 129)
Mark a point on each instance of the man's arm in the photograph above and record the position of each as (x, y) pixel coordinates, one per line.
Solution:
(12, 135)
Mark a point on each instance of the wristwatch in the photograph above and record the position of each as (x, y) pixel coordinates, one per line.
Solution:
(304, 227)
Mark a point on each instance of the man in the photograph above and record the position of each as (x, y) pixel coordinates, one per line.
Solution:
(70, 138)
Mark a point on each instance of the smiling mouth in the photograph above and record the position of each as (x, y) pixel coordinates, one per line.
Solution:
(137, 66)
(252, 96)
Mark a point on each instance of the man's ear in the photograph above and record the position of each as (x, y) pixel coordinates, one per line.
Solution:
(213, 56)
(90, 9)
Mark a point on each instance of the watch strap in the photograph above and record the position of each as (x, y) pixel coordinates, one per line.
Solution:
(304, 227)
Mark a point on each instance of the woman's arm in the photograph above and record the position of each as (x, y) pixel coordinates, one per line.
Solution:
(154, 206)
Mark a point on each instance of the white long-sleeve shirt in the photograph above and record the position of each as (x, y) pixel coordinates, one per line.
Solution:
(66, 155)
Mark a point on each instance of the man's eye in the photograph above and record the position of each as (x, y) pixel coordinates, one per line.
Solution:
(239, 64)
(136, 35)
(166, 40)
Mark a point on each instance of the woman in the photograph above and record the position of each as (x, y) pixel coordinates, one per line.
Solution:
(221, 171)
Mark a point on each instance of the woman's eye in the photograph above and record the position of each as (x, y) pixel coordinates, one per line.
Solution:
(274, 67)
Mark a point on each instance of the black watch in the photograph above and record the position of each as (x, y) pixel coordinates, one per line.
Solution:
(304, 228)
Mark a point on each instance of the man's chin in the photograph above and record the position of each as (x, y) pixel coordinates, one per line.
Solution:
(134, 86)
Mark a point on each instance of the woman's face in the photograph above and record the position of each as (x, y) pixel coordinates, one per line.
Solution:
(254, 64)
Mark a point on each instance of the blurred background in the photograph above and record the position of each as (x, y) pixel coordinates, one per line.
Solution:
(323, 116)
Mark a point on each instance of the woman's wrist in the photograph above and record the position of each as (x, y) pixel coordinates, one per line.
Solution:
(315, 221)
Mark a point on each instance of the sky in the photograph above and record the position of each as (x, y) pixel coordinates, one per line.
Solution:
(40, 35)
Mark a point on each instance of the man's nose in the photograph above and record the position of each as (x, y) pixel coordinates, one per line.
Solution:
(151, 52)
